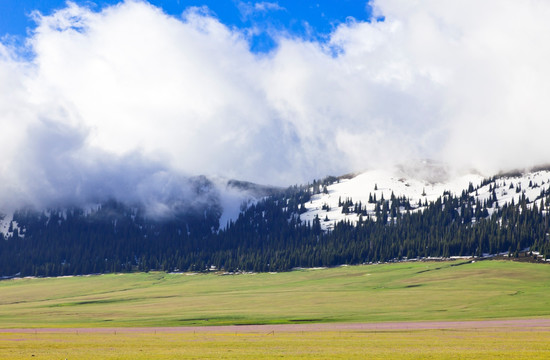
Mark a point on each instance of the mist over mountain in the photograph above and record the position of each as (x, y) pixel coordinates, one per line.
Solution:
(133, 139)
(375, 216)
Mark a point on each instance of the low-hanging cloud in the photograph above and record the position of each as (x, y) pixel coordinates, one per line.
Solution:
(130, 98)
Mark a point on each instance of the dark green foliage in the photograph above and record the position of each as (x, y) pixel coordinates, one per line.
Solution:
(269, 235)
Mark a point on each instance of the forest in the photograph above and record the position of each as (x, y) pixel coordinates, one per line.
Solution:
(269, 235)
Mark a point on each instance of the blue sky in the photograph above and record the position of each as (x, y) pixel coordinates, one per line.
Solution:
(303, 18)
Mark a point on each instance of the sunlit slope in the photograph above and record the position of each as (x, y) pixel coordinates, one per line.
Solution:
(371, 293)
(380, 184)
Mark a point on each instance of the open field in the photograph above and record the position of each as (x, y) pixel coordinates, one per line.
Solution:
(397, 311)
(477, 340)
(374, 293)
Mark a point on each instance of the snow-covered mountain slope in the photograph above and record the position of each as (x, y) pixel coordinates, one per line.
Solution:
(415, 187)
(377, 184)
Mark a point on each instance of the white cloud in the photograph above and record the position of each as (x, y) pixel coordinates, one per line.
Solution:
(267, 6)
(247, 9)
(112, 99)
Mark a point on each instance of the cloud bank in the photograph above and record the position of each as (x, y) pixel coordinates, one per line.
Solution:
(130, 98)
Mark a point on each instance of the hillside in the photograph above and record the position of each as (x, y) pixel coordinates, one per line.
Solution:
(376, 216)
(367, 187)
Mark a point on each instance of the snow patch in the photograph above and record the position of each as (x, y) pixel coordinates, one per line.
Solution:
(383, 183)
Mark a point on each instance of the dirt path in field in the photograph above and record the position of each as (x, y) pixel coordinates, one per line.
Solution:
(516, 324)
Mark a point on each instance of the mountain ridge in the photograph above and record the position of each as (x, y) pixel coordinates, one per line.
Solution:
(383, 183)
(375, 216)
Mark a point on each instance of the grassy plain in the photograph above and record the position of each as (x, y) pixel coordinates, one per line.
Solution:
(374, 293)
(370, 293)
(422, 344)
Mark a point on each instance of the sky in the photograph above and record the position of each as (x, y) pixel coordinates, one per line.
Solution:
(129, 98)
(261, 19)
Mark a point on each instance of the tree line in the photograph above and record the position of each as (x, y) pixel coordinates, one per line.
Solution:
(269, 235)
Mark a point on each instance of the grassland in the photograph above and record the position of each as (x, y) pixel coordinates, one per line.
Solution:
(424, 344)
(372, 293)
(375, 293)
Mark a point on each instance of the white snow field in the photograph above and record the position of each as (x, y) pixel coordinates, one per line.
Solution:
(382, 183)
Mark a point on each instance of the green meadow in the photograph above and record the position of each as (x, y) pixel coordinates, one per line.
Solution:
(419, 291)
